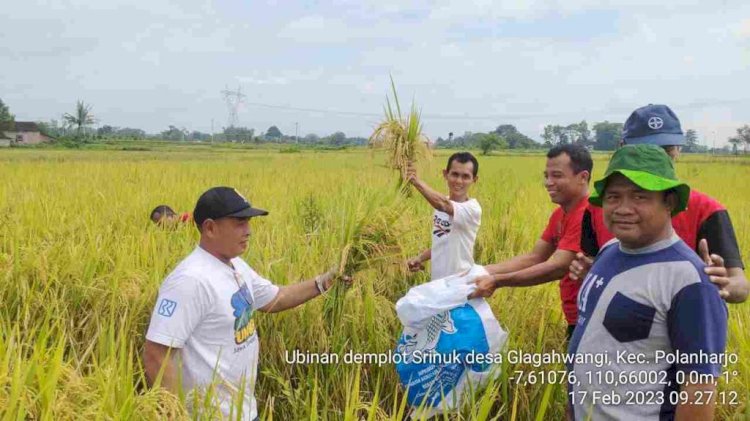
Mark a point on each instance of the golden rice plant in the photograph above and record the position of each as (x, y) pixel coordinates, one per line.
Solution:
(400, 136)
(371, 239)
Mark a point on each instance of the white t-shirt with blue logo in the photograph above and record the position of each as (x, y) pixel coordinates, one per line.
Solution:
(205, 308)
(453, 238)
(640, 303)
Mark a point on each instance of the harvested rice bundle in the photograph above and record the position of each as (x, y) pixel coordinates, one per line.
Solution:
(401, 137)
(371, 239)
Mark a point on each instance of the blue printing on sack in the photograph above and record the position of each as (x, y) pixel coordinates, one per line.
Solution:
(461, 333)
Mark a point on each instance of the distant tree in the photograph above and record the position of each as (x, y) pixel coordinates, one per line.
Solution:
(199, 136)
(515, 139)
(54, 128)
(273, 132)
(81, 119)
(691, 141)
(6, 118)
(238, 134)
(106, 131)
(311, 139)
(128, 133)
(735, 143)
(174, 133)
(742, 138)
(578, 133)
(338, 139)
(491, 141)
(607, 135)
(555, 134)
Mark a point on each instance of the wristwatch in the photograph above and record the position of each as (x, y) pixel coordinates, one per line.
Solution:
(320, 284)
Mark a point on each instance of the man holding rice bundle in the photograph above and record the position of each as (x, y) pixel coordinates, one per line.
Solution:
(456, 218)
(566, 178)
(202, 331)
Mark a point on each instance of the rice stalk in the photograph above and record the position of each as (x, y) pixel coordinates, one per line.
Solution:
(401, 137)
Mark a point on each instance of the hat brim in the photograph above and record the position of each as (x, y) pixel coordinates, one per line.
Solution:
(646, 181)
(247, 213)
(659, 139)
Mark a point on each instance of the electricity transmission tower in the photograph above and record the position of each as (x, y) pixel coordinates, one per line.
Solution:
(233, 99)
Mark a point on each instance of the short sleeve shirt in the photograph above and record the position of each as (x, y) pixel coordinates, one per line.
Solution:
(644, 305)
(453, 238)
(564, 232)
(205, 308)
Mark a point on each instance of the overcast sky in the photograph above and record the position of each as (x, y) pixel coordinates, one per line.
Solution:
(470, 66)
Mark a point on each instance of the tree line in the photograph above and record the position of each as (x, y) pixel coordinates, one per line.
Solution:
(603, 136)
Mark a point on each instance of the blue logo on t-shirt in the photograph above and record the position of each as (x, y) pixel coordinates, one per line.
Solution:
(242, 303)
(166, 307)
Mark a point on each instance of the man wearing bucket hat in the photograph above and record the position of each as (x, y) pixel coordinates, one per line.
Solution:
(647, 302)
(202, 330)
(704, 226)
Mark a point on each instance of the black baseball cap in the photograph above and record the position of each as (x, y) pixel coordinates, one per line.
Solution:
(223, 202)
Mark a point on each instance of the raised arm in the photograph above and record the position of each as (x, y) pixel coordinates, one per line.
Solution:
(435, 198)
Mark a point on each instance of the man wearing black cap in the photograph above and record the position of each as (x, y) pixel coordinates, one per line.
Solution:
(704, 226)
(204, 311)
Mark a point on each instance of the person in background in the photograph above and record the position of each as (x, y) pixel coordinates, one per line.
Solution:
(705, 225)
(164, 215)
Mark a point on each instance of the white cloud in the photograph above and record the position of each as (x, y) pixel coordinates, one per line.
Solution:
(743, 29)
(152, 63)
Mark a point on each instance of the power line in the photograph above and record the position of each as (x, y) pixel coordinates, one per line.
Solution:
(493, 117)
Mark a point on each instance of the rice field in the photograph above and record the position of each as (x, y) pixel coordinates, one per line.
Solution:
(81, 265)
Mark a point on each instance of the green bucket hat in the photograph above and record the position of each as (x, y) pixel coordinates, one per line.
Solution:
(649, 167)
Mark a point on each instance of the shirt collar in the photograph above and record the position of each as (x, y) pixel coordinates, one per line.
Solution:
(659, 245)
(204, 254)
(582, 203)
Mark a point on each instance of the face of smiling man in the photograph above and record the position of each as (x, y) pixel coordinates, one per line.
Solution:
(635, 216)
(460, 176)
(562, 183)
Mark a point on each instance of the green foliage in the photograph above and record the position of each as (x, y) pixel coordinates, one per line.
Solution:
(77, 296)
(237, 134)
(691, 143)
(572, 133)
(515, 139)
(273, 132)
(742, 138)
(81, 119)
(174, 133)
(290, 149)
(608, 135)
(6, 118)
(491, 141)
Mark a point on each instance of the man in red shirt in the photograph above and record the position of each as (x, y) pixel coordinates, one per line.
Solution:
(566, 178)
(704, 226)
